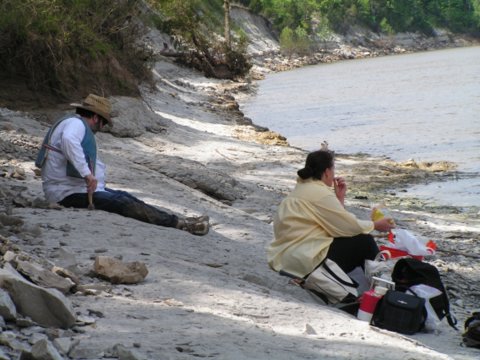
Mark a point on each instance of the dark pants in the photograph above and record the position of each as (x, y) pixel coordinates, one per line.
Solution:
(350, 252)
(122, 203)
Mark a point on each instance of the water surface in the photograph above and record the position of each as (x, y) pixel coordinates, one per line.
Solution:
(423, 106)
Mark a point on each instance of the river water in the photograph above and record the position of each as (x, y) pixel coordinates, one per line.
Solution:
(422, 106)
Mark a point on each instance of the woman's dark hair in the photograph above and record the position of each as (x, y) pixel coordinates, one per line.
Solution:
(316, 164)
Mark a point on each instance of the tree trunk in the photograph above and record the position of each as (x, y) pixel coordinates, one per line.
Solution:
(226, 5)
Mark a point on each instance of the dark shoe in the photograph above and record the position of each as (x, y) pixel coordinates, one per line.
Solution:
(195, 225)
(197, 219)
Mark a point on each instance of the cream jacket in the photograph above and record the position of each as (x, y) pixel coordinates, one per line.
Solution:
(306, 222)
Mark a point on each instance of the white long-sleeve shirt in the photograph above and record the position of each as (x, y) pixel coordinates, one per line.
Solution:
(67, 137)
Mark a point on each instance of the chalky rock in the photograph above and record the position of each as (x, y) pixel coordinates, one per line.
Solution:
(65, 344)
(87, 350)
(44, 350)
(123, 353)
(18, 173)
(7, 307)
(219, 185)
(3, 356)
(13, 341)
(118, 272)
(43, 277)
(127, 108)
(47, 307)
(36, 337)
(8, 220)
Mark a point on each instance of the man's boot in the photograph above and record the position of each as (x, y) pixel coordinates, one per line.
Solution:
(195, 225)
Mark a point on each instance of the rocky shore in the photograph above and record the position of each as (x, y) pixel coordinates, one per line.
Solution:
(80, 284)
(358, 43)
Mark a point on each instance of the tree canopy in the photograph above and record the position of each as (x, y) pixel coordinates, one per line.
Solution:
(302, 22)
(461, 16)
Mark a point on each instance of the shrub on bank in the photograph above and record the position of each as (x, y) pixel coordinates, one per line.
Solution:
(68, 48)
(65, 49)
(197, 26)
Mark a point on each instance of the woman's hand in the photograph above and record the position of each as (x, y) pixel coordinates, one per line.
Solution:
(384, 224)
(340, 187)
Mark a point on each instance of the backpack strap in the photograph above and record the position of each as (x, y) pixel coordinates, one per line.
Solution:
(351, 283)
(452, 321)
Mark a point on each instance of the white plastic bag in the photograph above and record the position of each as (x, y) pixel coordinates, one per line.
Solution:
(427, 292)
(406, 241)
(381, 267)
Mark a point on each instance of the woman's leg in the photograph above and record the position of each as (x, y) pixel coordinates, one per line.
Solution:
(350, 252)
(122, 203)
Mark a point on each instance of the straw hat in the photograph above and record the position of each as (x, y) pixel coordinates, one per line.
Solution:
(99, 105)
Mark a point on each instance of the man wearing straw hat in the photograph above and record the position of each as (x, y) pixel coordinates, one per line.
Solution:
(74, 176)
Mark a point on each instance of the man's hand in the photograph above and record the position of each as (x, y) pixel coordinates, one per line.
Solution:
(384, 224)
(340, 187)
(91, 183)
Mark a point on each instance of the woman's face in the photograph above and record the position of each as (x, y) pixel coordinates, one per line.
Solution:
(329, 176)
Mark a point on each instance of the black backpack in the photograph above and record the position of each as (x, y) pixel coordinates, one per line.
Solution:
(409, 272)
(471, 336)
(400, 312)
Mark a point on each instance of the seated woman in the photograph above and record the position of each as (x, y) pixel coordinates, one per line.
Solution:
(312, 224)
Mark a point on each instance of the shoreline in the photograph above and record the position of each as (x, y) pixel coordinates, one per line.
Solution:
(444, 171)
(371, 46)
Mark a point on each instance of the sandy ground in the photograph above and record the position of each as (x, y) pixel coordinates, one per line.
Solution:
(214, 296)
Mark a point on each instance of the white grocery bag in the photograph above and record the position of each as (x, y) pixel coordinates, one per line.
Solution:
(406, 241)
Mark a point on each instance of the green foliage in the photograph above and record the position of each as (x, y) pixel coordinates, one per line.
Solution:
(302, 40)
(295, 41)
(476, 14)
(184, 17)
(287, 13)
(458, 14)
(340, 13)
(287, 40)
(385, 27)
(242, 38)
(380, 15)
(321, 26)
(68, 47)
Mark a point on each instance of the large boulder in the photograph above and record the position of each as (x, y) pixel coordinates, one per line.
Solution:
(47, 307)
(44, 277)
(118, 272)
(213, 183)
(132, 118)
